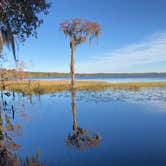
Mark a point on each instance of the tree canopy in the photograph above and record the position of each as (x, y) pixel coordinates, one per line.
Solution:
(79, 30)
(20, 18)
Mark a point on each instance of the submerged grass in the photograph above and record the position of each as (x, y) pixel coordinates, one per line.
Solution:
(42, 87)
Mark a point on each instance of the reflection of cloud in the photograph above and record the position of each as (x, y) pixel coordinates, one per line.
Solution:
(149, 52)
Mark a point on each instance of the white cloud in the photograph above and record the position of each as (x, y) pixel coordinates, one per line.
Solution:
(147, 54)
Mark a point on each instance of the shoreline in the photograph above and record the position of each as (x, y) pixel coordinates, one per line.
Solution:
(41, 74)
(43, 87)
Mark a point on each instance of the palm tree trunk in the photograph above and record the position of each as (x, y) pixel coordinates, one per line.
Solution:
(72, 74)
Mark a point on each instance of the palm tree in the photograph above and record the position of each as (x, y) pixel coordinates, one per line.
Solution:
(78, 32)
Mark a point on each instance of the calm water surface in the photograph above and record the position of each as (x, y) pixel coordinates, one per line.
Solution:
(114, 79)
(119, 128)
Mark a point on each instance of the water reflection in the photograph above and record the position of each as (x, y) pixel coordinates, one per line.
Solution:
(80, 138)
(8, 131)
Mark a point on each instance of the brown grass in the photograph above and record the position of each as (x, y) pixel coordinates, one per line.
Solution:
(42, 87)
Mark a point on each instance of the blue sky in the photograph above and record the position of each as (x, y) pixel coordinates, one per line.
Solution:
(133, 38)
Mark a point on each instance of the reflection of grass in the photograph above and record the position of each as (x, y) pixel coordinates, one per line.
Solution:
(41, 87)
(8, 159)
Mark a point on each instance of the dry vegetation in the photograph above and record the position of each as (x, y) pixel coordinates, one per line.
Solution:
(42, 87)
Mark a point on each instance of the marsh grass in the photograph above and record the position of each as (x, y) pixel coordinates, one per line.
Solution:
(137, 85)
(42, 87)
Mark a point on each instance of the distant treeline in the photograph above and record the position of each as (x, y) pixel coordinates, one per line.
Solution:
(12, 74)
(46, 74)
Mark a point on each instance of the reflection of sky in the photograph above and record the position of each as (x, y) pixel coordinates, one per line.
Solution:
(151, 96)
(131, 130)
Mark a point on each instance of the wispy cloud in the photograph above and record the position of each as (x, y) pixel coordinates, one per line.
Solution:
(145, 55)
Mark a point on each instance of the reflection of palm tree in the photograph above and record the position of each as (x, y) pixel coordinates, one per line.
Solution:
(81, 138)
(75, 127)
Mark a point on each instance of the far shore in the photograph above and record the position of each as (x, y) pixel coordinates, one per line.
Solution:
(12, 73)
(43, 87)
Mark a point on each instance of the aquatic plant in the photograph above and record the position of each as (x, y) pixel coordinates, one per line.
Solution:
(42, 87)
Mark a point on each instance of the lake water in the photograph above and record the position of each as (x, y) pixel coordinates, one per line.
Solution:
(114, 79)
(114, 127)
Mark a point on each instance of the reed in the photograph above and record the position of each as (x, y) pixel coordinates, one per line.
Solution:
(42, 87)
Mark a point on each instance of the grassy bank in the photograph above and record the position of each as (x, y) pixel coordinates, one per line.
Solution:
(42, 87)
